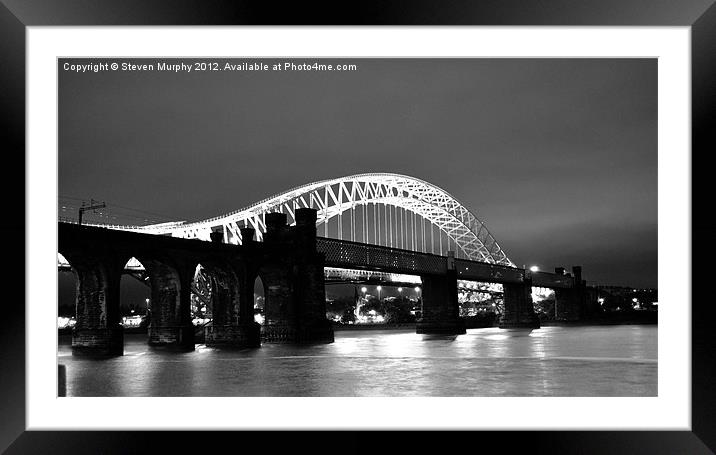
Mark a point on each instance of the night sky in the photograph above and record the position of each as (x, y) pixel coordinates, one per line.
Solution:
(557, 156)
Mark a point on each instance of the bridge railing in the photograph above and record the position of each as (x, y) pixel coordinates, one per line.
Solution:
(486, 272)
(343, 253)
(552, 280)
(355, 255)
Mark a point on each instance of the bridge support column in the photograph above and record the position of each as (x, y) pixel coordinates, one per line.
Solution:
(98, 331)
(170, 323)
(519, 309)
(569, 302)
(233, 335)
(296, 300)
(230, 326)
(232, 304)
(566, 305)
(440, 311)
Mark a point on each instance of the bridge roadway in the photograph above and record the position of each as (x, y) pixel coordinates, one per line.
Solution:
(363, 256)
(345, 254)
(290, 261)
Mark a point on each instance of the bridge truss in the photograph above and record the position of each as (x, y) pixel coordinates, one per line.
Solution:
(355, 276)
(384, 209)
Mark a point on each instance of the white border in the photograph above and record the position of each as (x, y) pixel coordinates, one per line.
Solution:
(670, 410)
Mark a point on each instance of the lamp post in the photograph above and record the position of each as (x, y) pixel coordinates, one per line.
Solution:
(148, 312)
(358, 305)
(400, 291)
(378, 288)
(92, 206)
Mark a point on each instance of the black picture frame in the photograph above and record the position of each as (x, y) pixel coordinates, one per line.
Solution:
(700, 15)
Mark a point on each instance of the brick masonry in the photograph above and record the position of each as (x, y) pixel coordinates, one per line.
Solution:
(519, 309)
(287, 262)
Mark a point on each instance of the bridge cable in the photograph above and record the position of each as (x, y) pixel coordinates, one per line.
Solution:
(380, 234)
(440, 234)
(406, 213)
(432, 239)
(385, 221)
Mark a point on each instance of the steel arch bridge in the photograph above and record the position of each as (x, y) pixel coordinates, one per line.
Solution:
(379, 208)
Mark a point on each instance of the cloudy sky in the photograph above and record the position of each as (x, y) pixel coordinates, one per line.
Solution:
(557, 156)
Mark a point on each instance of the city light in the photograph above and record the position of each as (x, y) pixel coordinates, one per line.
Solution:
(400, 289)
(417, 288)
(363, 289)
(65, 323)
(131, 321)
(534, 268)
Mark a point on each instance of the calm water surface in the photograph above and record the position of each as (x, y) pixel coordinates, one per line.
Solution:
(551, 361)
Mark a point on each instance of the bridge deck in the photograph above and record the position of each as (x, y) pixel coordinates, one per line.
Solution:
(355, 255)
(346, 254)
(339, 254)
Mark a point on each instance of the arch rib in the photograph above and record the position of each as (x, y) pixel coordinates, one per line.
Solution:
(333, 197)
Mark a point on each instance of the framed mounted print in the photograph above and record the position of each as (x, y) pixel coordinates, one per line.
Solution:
(379, 223)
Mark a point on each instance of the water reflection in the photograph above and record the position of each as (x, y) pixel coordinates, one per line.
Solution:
(516, 332)
(551, 361)
(439, 337)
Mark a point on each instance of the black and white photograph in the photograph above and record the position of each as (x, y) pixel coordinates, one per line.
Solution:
(383, 227)
(357, 227)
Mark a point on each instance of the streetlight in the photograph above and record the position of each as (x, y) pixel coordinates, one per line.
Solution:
(379, 288)
(148, 311)
(534, 268)
(400, 291)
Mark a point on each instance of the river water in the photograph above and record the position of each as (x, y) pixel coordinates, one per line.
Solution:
(551, 361)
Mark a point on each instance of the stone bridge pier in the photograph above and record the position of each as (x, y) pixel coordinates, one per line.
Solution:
(569, 303)
(440, 310)
(232, 300)
(519, 309)
(98, 331)
(169, 310)
(292, 273)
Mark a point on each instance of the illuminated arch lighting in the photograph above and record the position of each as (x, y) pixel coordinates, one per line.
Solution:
(333, 197)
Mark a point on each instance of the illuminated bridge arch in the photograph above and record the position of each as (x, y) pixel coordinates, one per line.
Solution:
(386, 209)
